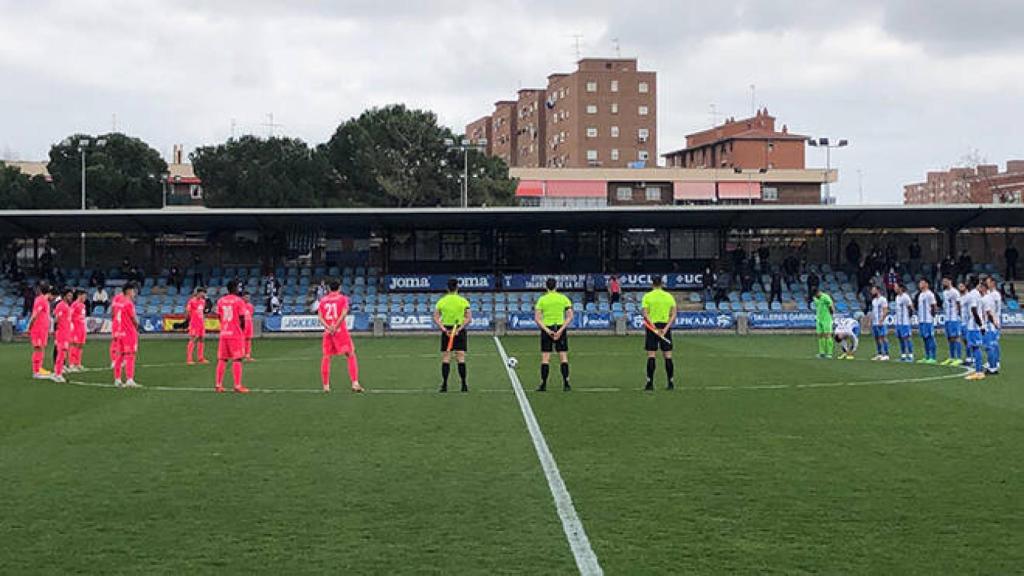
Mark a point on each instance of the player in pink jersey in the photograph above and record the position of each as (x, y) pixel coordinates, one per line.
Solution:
(113, 341)
(62, 332)
(250, 315)
(125, 328)
(39, 328)
(196, 326)
(333, 311)
(231, 348)
(78, 331)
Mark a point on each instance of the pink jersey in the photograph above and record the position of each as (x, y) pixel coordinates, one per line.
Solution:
(78, 321)
(123, 324)
(41, 310)
(332, 307)
(62, 320)
(231, 309)
(250, 312)
(194, 311)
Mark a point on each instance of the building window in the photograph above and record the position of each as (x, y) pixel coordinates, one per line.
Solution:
(643, 134)
(615, 131)
(591, 132)
(644, 88)
(623, 193)
(652, 194)
(771, 194)
(615, 86)
(615, 153)
(591, 86)
(615, 107)
(642, 155)
(591, 109)
(642, 110)
(195, 191)
(591, 155)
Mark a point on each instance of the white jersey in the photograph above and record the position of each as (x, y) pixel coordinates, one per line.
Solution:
(925, 306)
(903, 306)
(972, 302)
(992, 303)
(951, 304)
(879, 310)
(845, 327)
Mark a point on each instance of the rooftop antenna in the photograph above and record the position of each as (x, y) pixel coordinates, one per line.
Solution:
(113, 122)
(234, 124)
(270, 125)
(618, 47)
(714, 115)
(753, 99)
(577, 39)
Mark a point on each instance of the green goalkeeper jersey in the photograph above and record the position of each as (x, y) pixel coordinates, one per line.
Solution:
(823, 308)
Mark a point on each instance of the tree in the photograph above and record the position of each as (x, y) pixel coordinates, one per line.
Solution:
(19, 191)
(396, 157)
(123, 172)
(264, 173)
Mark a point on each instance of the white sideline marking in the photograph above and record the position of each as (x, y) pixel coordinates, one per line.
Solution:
(586, 560)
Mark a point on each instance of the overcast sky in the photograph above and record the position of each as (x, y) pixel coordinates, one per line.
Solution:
(914, 85)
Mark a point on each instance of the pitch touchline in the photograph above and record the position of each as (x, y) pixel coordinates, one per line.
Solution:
(586, 560)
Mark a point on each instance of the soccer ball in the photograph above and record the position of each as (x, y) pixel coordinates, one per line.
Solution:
(512, 362)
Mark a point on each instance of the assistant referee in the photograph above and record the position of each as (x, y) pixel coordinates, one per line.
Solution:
(659, 311)
(553, 314)
(452, 316)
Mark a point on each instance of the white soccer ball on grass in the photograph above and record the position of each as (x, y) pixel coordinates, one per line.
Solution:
(512, 362)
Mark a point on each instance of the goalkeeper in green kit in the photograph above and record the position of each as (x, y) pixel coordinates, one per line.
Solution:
(824, 308)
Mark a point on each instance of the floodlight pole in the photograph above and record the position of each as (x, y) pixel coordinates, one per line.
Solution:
(82, 145)
(828, 146)
(465, 145)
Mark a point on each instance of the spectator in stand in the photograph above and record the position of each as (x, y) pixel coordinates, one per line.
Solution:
(739, 258)
(614, 289)
(589, 289)
(1011, 256)
(864, 275)
(174, 278)
(707, 281)
(1009, 292)
(127, 270)
(813, 281)
(197, 270)
(28, 298)
(140, 275)
(274, 306)
(915, 256)
(722, 283)
(321, 290)
(791, 268)
(947, 269)
(965, 265)
(271, 290)
(97, 279)
(853, 260)
(765, 253)
(99, 299)
(746, 281)
(776, 288)
(892, 280)
(891, 255)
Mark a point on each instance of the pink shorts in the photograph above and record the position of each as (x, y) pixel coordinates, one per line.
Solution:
(126, 344)
(78, 337)
(197, 331)
(39, 339)
(63, 343)
(231, 349)
(337, 344)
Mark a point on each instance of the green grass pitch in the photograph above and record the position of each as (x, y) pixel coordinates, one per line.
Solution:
(765, 460)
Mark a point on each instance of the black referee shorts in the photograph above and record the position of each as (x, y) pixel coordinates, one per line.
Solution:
(461, 340)
(548, 345)
(652, 343)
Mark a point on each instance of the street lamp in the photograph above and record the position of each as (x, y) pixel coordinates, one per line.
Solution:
(464, 146)
(828, 146)
(83, 145)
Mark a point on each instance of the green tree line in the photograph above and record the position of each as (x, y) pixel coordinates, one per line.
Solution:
(386, 157)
